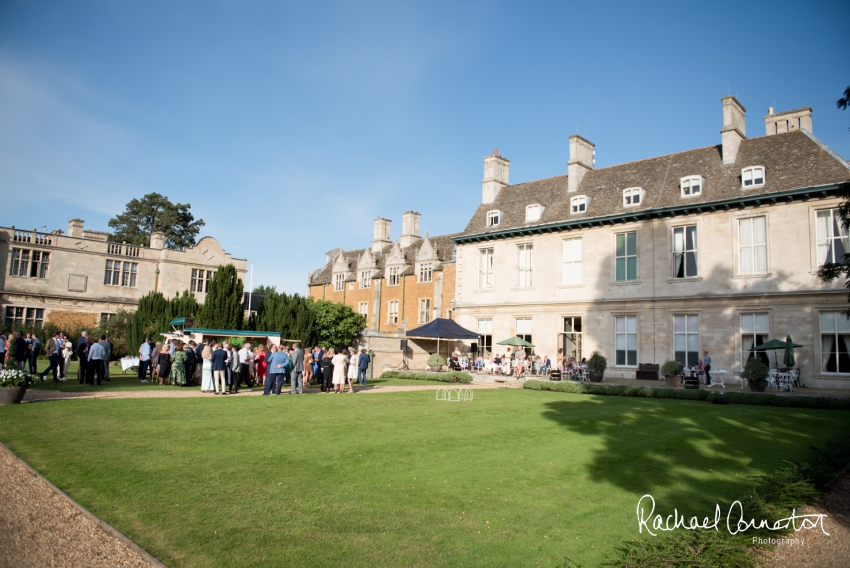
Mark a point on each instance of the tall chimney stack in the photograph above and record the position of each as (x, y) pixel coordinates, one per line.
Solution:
(582, 160)
(734, 128)
(409, 228)
(496, 172)
(381, 234)
(797, 119)
(75, 228)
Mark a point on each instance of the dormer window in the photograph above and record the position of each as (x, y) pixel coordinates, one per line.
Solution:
(691, 185)
(578, 204)
(533, 212)
(339, 281)
(752, 177)
(392, 278)
(632, 196)
(493, 218)
(365, 279)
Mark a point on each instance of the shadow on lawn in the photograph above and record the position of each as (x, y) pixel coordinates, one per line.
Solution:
(689, 454)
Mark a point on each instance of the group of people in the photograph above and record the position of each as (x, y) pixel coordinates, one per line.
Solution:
(93, 355)
(221, 367)
(515, 364)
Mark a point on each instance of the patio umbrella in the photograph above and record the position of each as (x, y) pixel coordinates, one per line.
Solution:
(774, 345)
(520, 342)
(789, 360)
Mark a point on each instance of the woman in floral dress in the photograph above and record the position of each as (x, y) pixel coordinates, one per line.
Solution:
(178, 366)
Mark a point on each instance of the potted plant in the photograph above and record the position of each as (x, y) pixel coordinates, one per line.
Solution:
(13, 383)
(435, 362)
(596, 366)
(755, 371)
(672, 373)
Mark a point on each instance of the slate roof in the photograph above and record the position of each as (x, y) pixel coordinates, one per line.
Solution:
(443, 246)
(791, 160)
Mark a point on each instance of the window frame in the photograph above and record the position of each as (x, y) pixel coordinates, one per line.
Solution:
(751, 170)
(685, 251)
(755, 334)
(392, 314)
(629, 196)
(486, 280)
(494, 217)
(626, 333)
(485, 338)
(424, 310)
(360, 309)
(365, 279)
(533, 207)
(749, 250)
(393, 275)
(626, 256)
(836, 334)
(576, 204)
(573, 262)
(833, 222)
(339, 282)
(688, 192)
(526, 336)
(29, 263)
(687, 333)
(425, 269)
(524, 273)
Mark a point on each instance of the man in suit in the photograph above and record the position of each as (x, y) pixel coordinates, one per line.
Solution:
(35, 351)
(219, 367)
(362, 366)
(107, 357)
(53, 355)
(297, 373)
(22, 351)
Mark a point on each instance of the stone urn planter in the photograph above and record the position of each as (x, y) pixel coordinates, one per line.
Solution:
(757, 386)
(12, 395)
(595, 376)
(673, 380)
(596, 366)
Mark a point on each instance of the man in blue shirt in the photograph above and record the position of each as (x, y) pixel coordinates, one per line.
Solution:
(277, 366)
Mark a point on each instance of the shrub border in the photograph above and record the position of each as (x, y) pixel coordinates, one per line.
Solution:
(753, 399)
(448, 377)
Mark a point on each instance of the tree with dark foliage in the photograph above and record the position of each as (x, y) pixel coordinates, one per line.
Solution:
(155, 213)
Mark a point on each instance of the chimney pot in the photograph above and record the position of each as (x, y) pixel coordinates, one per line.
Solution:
(75, 228)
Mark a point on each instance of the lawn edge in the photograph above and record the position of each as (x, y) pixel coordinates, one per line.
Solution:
(109, 529)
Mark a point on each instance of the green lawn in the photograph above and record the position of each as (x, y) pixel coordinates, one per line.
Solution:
(513, 478)
(130, 381)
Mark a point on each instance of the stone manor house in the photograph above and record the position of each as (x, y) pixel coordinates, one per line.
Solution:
(713, 249)
(79, 278)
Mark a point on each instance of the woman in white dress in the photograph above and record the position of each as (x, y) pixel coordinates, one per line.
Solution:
(338, 361)
(352, 368)
(67, 351)
(207, 378)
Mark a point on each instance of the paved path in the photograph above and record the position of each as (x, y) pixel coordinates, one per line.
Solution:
(37, 395)
(40, 528)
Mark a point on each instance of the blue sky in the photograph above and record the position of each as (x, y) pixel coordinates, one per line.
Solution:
(290, 126)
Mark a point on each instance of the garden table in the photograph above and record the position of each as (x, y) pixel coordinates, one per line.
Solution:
(129, 363)
(717, 379)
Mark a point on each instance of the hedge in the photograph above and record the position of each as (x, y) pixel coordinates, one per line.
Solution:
(449, 377)
(754, 399)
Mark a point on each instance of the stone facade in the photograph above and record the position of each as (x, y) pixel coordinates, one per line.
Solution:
(397, 286)
(712, 250)
(81, 277)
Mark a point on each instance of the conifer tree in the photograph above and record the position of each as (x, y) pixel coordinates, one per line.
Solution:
(223, 306)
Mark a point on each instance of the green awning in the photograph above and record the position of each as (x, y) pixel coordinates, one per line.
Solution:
(232, 332)
(178, 321)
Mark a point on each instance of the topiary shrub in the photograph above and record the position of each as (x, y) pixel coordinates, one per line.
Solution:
(435, 361)
(755, 371)
(597, 363)
(671, 368)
